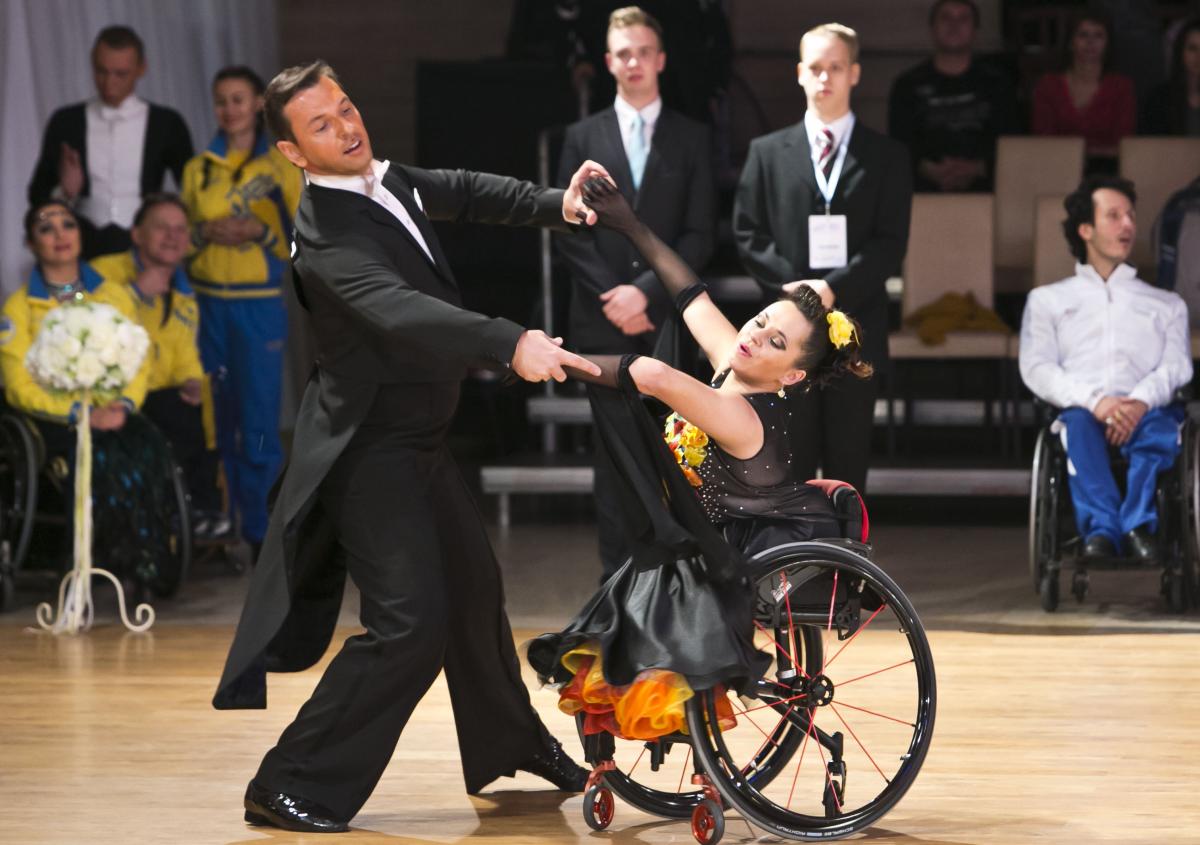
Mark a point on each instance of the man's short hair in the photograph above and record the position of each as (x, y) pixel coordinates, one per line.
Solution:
(938, 4)
(284, 87)
(628, 16)
(834, 30)
(1081, 208)
(153, 201)
(120, 38)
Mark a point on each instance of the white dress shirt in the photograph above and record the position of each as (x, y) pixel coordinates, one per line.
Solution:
(841, 128)
(116, 141)
(1083, 339)
(372, 186)
(627, 120)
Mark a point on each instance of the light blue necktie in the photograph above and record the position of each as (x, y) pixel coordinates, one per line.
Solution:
(638, 151)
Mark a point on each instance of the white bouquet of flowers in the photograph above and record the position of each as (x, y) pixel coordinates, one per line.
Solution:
(87, 347)
(90, 352)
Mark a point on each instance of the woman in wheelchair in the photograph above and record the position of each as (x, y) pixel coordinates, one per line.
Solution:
(729, 439)
(725, 592)
(131, 511)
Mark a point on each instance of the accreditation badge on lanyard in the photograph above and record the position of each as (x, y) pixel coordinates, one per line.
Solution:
(827, 249)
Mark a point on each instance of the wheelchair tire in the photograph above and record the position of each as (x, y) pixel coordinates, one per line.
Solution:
(840, 595)
(1189, 512)
(1044, 493)
(598, 807)
(19, 467)
(180, 539)
(8, 591)
(1176, 591)
(708, 822)
(1048, 592)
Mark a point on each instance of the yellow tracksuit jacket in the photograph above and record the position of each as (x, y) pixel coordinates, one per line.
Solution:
(174, 356)
(218, 183)
(20, 320)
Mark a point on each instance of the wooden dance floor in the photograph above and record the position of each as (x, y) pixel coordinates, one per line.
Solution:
(1080, 727)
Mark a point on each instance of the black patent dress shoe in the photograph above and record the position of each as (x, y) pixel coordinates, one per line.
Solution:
(277, 809)
(1140, 544)
(553, 764)
(1099, 546)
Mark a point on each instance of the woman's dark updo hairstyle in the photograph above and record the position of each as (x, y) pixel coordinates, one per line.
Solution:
(33, 215)
(823, 362)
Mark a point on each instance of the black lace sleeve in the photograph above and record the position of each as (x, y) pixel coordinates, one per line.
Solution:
(613, 212)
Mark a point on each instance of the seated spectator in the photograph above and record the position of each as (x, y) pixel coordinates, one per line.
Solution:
(1086, 99)
(102, 155)
(130, 519)
(1173, 108)
(1110, 351)
(166, 308)
(950, 109)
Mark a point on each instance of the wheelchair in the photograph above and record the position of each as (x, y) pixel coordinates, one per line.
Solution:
(1055, 544)
(828, 740)
(36, 502)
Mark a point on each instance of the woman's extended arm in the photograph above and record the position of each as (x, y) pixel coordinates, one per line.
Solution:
(715, 334)
(726, 418)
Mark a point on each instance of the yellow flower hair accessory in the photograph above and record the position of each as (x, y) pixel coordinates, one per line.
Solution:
(841, 330)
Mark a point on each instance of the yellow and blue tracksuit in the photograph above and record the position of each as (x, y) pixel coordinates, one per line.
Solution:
(174, 356)
(19, 324)
(243, 324)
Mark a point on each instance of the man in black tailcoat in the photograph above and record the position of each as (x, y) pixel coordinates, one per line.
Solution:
(371, 489)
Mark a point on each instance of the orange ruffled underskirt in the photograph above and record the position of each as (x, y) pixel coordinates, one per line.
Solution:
(650, 707)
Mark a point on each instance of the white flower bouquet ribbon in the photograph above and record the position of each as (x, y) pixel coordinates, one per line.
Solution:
(88, 352)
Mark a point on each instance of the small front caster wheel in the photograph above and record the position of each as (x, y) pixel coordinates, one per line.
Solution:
(598, 807)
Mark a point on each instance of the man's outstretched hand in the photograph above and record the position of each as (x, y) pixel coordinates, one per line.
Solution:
(541, 358)
(575, 210)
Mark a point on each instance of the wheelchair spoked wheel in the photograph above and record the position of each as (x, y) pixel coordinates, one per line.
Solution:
(846, 711)
(1044, 490)
(19, 464)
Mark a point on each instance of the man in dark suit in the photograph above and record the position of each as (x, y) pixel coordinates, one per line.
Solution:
(662, 161)
(828, 200)
(371, 488)
(104, 155)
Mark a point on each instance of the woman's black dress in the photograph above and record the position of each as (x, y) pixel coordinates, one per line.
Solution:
(682, 602)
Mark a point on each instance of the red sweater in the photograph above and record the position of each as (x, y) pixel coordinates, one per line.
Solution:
(1109, 116)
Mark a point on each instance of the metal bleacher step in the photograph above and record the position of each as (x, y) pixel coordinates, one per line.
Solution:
(556, 475)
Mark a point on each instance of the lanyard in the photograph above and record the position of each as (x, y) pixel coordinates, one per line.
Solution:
(828, 186)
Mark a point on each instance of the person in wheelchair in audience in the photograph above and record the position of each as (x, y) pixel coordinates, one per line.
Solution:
(1110, 351)
(730, 441)
(151, 275)
(130, 512)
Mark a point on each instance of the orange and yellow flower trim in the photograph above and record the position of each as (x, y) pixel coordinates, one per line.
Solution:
(649, 708)
(689, 444)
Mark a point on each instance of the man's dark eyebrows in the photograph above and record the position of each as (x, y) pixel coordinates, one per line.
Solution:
(342, 102)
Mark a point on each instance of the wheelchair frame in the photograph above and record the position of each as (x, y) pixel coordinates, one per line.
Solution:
(793, 604)
(1054, 542)
(21, 482)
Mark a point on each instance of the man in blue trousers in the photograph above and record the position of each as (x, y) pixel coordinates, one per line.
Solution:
(1111, 351)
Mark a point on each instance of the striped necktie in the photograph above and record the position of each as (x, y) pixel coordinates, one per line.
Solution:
(825, 160)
